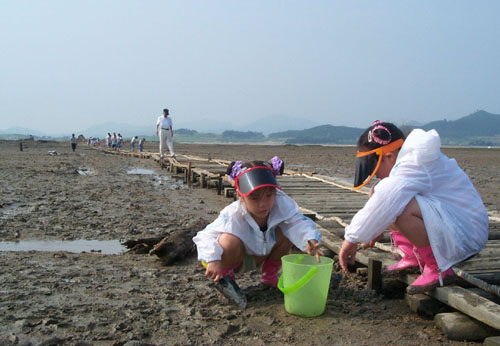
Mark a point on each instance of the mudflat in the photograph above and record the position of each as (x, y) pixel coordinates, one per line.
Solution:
(92, 298)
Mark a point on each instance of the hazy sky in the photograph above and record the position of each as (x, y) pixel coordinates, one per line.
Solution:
(65, 65)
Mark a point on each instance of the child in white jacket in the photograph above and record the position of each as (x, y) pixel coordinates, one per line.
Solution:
(436, 216)
(258, 229)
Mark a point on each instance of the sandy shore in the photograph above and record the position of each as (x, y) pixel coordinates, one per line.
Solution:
(128, 299)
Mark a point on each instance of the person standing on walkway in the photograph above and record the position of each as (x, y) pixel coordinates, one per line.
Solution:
(132, 143)
(108, 140)
(114, 141)
(73, 142)
(165, 133)
(141, 144)
(120, 140)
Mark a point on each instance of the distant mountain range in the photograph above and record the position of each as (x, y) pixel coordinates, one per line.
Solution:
(478, 124)
(266, 125)
(324, 134)
(21, 131)
(480, 128)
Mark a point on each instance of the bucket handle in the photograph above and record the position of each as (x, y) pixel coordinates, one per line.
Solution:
(299, 283)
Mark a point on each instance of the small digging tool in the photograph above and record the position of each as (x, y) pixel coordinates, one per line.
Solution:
(230, 289)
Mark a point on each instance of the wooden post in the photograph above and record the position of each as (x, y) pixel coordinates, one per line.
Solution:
(203, 181)
(219, 185)
(375, 275)
(229, 192)
(188, 174)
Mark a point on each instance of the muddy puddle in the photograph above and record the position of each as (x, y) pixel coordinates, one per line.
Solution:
(141, 171)
(84, 171)
(167, 182)
(107, 247)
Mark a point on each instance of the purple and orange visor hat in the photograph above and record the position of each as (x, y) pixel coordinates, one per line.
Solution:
(254, 178)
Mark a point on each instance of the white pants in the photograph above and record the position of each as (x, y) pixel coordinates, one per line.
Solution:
(166, 140)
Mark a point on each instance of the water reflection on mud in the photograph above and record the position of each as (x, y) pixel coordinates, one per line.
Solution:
(164, 181)
(141, 171)
(108, 247)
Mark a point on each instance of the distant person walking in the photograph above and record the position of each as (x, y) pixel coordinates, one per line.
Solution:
(73, 142)
(114, 141)
(141, 144)
(132, 142)
(108, 140)
(120, 140)
(165, 133)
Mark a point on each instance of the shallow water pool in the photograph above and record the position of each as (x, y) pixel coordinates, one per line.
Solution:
(141, 171)
(108, 247)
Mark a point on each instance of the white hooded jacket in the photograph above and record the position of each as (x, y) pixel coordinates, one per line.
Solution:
(453, 212)
(236, 220)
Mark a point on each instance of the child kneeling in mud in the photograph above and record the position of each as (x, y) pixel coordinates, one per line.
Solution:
(258, 229)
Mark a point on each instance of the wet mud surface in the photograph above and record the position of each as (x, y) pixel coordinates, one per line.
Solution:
(51, 298)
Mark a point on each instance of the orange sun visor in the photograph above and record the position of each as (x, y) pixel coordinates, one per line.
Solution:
(368, 162)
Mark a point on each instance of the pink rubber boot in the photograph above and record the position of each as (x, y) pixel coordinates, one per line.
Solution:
(270, 270)
(409, 263)
(431, 277)
(229, 271)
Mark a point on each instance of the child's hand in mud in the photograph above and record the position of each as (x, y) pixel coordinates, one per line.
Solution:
(347, 254)
(213, 271)
(313, 248)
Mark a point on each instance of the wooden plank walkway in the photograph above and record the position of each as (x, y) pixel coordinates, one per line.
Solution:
(332, 204)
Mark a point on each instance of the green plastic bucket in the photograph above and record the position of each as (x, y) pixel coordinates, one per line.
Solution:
(305, 284)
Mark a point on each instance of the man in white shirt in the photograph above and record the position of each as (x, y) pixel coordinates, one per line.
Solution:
(165, 133)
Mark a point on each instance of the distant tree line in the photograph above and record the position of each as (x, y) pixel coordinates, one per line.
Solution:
(239, 135)
(186, 132)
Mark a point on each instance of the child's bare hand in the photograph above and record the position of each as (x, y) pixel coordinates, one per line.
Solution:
(347, 254)
(313, 248)
(213, 271)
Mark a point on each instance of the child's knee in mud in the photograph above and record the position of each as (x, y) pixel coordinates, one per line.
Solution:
(232, 245)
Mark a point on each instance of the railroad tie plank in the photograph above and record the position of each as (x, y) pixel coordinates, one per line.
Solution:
(457, 326)
(469, 303)
(489, 263)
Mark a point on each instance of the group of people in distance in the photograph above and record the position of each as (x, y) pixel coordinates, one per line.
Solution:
(434, 214)
(94, 141)
(134, 141)
(114, 141)
(164, 131)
